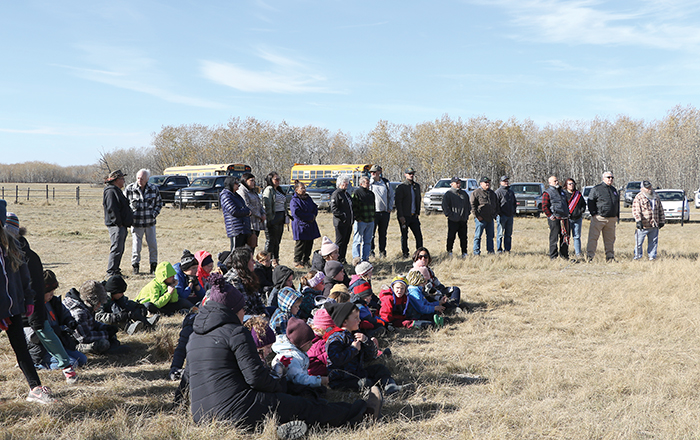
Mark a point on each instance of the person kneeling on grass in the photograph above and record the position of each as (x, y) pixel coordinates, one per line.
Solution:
(160, 295)
(119, 310)
(228, 380)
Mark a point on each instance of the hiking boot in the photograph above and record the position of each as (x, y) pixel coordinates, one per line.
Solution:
(292, 430)
(135, 269)
(375, 400)
(134, 327)
(71, 375)
(153, 320)
(41, 395)
(298, 265)
(393, 387)
(153, 268)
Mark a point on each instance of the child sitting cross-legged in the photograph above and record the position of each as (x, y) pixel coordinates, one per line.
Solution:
(289, 301)
(421, 308)
(310, 286)
(291, 352)
(349, 350)
(394, 303)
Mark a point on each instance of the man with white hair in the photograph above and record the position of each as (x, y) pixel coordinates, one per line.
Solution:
(604, 207)
(146, 203)
(363, 207)
(343, 218)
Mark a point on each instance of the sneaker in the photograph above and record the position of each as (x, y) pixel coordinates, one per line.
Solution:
(458, 310)
(153, 320)
(299, 265)
(134, 327)
(439, 321)
(292, 430)
(375, 400)
(41, 395)
(449, 254)
(135, 269)
(464, 255)
(71, 375)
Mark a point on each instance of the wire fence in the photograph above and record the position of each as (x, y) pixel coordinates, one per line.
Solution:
(58, 193)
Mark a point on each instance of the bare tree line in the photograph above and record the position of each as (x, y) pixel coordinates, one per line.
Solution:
(665, 151)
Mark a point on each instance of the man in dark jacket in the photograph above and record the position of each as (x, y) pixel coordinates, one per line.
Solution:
(456, 207)
(118, 217)
(229, 381)
(556, 208)
(507, 202)
(604, 207)
(408, 210)
(485, 207)
(343, 216)
(363, 208)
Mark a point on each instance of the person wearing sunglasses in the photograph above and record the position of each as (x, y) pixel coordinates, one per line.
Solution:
(604, 206)
(408, 209)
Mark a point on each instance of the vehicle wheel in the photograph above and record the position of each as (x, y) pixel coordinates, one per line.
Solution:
(207, 205)
(428, 212)
(537, 215)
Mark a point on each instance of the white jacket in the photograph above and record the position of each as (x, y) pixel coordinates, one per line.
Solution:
(298, 369)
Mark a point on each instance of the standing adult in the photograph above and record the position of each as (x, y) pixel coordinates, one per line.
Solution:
(276, 206)
(456, 207)
(118, 217)
(604, 207)
(363, 207)
(343, 216)
(556, 208)
(249, 192)
(506, 199)
(577, 206)
(649, 215)
(485, 207)
(236, 213)
(383, 205)
(304, 227)
(146, 203)
(408, 210)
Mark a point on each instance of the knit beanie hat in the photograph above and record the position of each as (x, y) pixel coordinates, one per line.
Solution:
(339, 288)
(50, 281)
(415, 278)
(280, 274)
(322, 320)
(266, 339)
(115, 284)
(12, 224)
(224, 293)
(363, 268)
(362, 290)
(3, 212)
(317, 279)
(333, 268)
(299, 332)
(399, 279)
(93, 293)
(187, 260)
(340, 311)
(327, 246)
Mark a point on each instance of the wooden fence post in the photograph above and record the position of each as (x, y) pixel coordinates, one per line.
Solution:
(54, 193)
(27, 194)
(16, 194)
(47, 193)
(77, 194)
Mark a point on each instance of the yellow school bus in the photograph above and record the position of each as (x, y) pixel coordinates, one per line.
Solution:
(192, 171)
(306, 173)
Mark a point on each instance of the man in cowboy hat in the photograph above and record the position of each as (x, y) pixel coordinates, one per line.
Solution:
(118, 217)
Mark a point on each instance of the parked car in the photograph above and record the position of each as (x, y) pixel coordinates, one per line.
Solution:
(586, 191)
(204, 191)
(697, 199)
(675, 204)
(631, 191)
(432, 200)
(528, 197)
(168, 185)
(320, 191)
(288, 191)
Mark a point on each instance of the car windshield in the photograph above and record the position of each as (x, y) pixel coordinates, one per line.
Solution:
(527, 190)
(587, 190)
(203, 182)
(670, 196)
(322, 184)
(157, 180)
(634, 185)
(444, 183)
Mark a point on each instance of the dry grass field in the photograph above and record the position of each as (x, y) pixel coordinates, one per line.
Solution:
(549, 349)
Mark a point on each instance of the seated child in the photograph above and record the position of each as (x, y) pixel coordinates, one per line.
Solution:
(328, 252)
(289, 302)
(263, 269)
(349, 350)
(335, 274)
(121, 311)
(362, 281)
(419, 307)
(187, 286)
(159, 295)
(263, 335)
(310, 285)
(339, 294)
(371, 325)
(282, 277)
(291, 352)
(318, 359)
(394, 304)
(204, 269)
(92, 336)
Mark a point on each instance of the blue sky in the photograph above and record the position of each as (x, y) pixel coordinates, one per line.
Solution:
(78, 78)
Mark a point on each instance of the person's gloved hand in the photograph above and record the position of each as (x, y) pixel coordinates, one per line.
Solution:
(30, 310)
(175, 374)
(639, 225)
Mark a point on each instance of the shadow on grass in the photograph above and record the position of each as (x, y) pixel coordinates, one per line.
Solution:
(419, 412)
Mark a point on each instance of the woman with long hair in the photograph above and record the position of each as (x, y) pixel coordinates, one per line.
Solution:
(304, 226)
(276, 206)
(236, 213)
(577, 206)
(241, 275)
(249, 192)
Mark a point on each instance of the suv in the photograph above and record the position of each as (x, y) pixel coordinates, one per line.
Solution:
(167, 185)
(528, 197)
(631, 190)
(320, 191)
(432, 200)
(204, 191)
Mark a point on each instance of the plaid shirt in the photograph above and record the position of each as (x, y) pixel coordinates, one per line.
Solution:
(642, 211)
(363, 205)
(146, 205)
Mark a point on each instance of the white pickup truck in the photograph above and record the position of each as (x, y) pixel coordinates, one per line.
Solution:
(432, 200)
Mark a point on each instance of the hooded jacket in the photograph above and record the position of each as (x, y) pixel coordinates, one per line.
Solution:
(183, 288)
(318, 359)
(201, 274)
(88, 329)
(280, 275)
(156, 291)
(418, 305)
(298, 368)
(286, 299)
(394, 308)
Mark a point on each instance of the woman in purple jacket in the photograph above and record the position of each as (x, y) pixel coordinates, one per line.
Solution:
(304, 227)
(236, 213)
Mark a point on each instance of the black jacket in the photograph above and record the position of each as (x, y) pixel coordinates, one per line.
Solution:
(506, 197)
(116, 207)
(36, 273)
(403, 198)
(580, 207)
(228, 380)
(604, 200)
(341, 207)
(455, 205)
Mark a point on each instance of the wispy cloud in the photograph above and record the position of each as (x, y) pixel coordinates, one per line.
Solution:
(659, 24)
(354, 26)
(285, 75)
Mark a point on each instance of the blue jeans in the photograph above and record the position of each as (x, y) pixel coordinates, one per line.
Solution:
(505, 231)
(479, 228)
(75, 357)
(652, 235)
(362, 240)
(576, 226)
